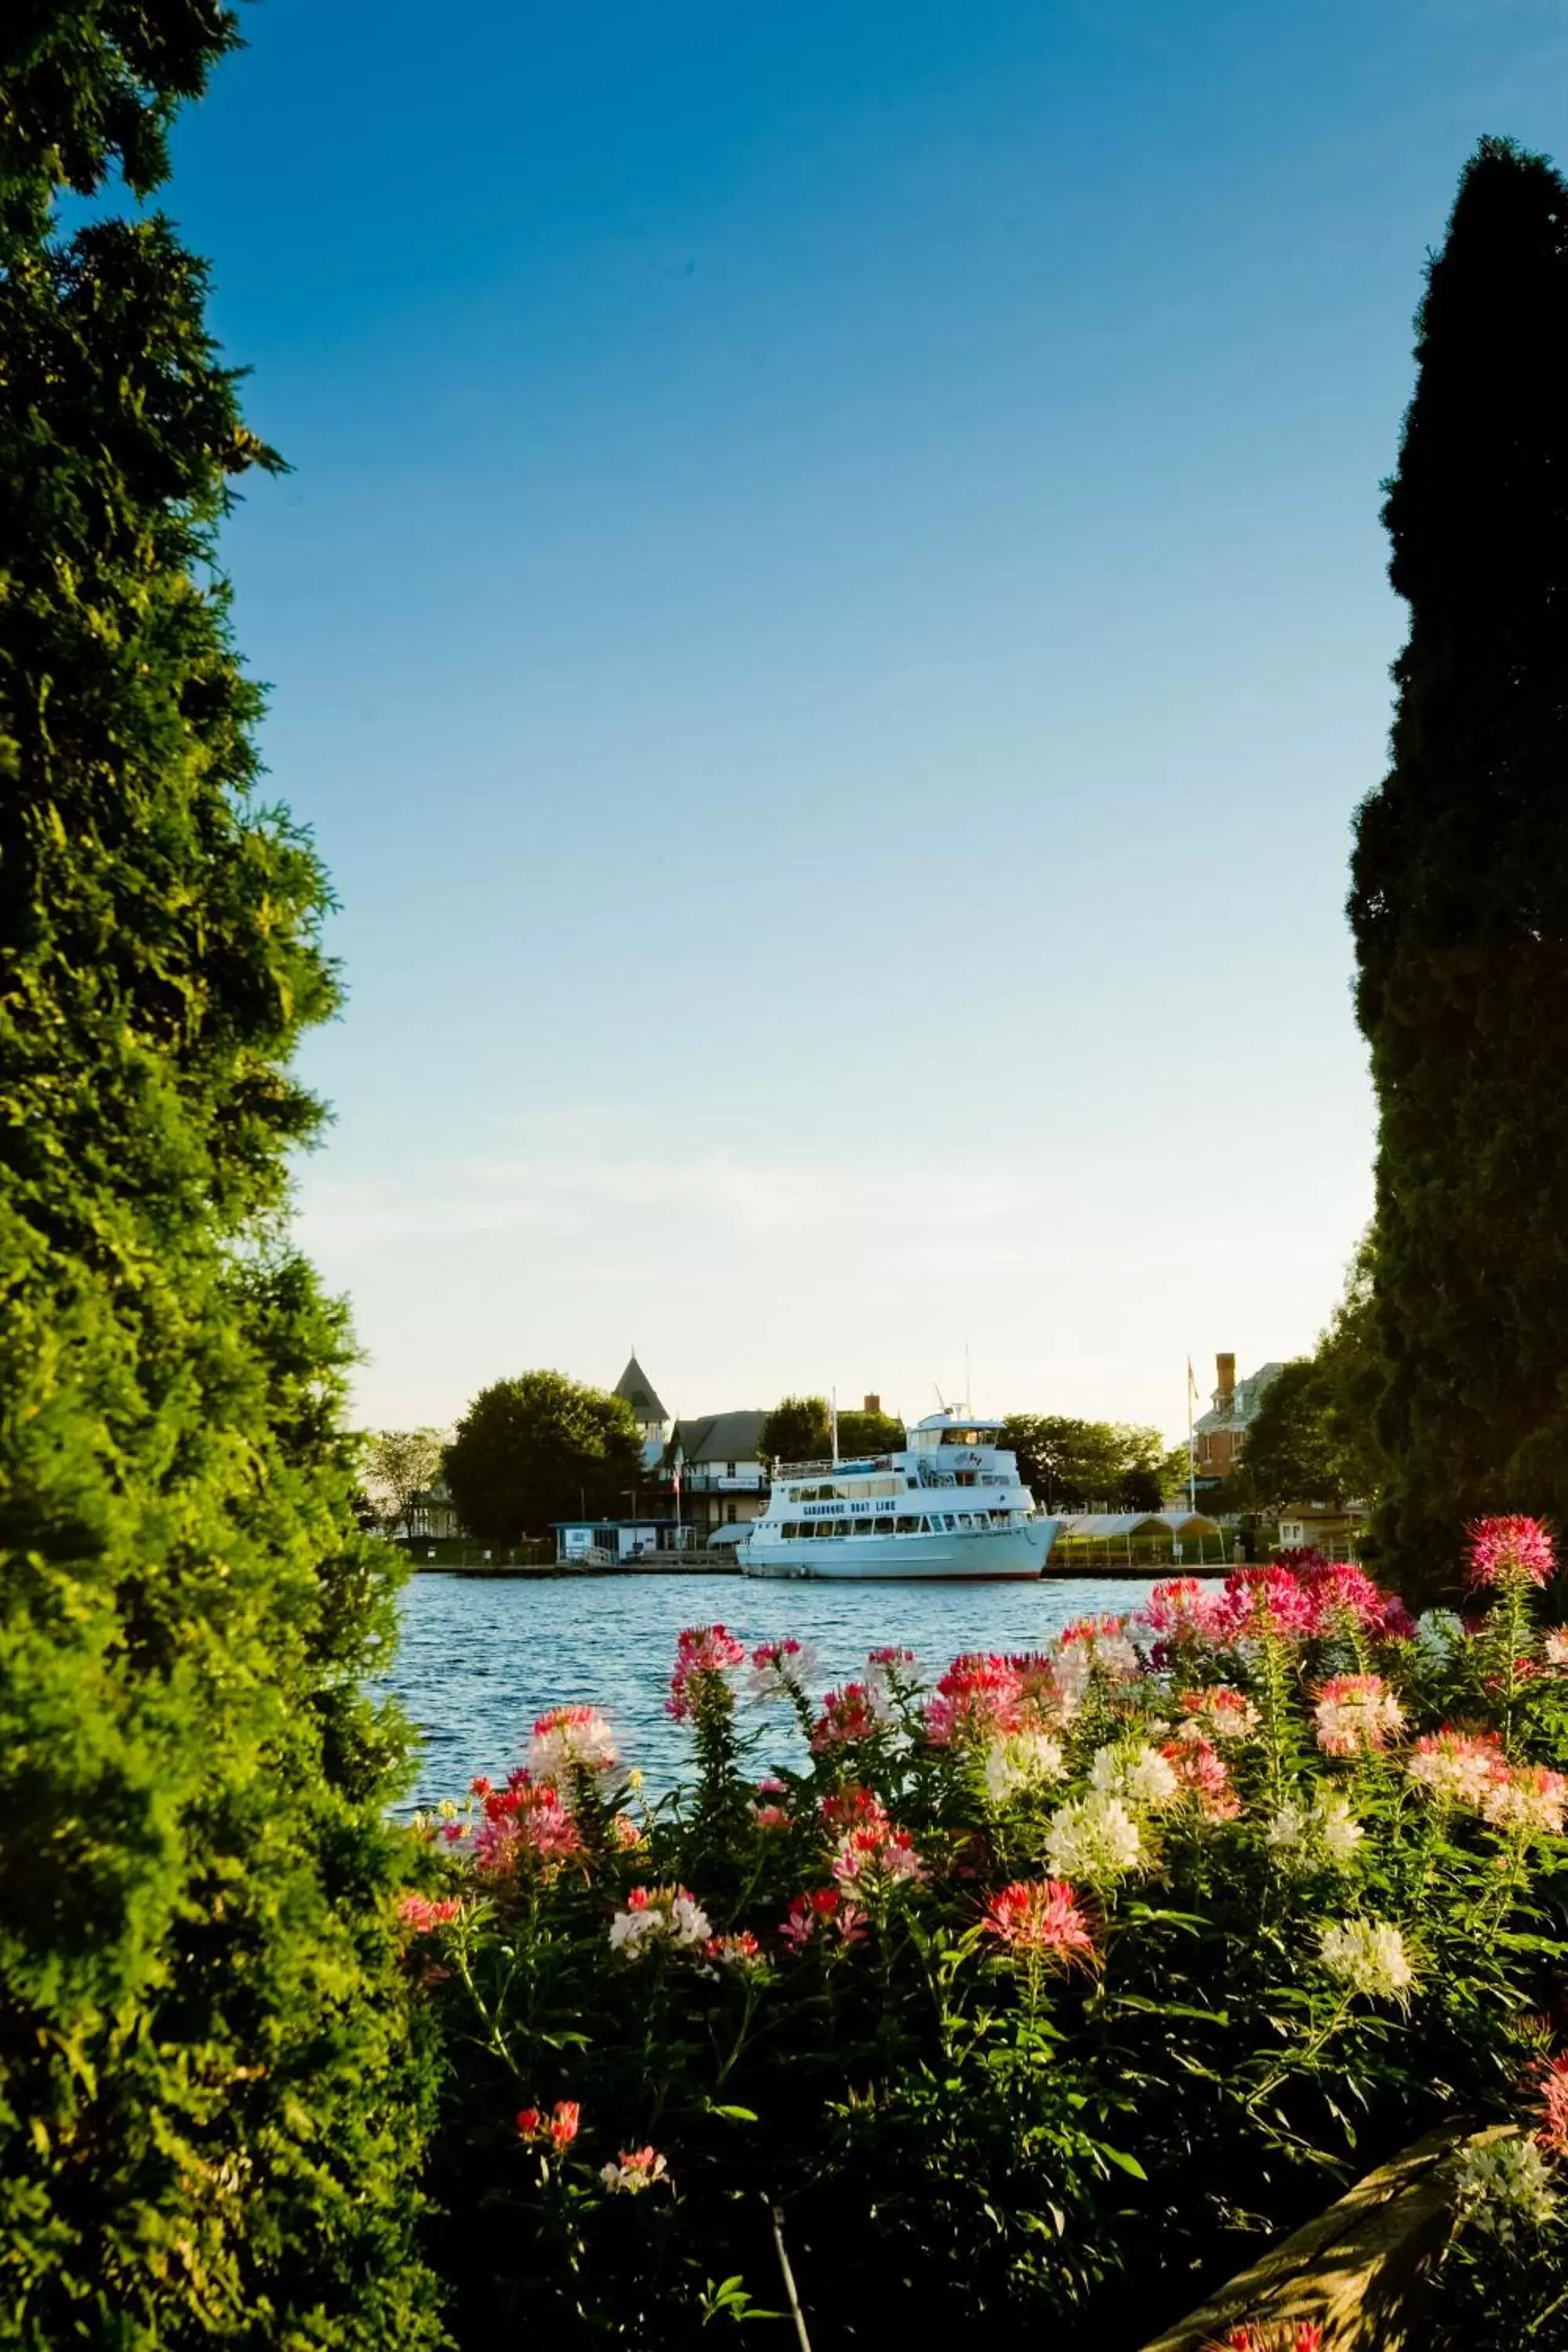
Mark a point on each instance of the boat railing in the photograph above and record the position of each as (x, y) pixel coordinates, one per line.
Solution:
(828, 1469)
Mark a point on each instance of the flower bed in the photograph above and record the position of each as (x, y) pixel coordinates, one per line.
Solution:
(1044, 1989)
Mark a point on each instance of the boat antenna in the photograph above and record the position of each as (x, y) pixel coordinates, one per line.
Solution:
(968, 1389)
(835, 1429)
(941, 1401)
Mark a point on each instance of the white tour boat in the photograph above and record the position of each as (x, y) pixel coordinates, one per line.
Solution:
(951, 1504)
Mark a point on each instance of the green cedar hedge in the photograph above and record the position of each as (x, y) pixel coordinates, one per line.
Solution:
(1459, 899)
(210, 2109)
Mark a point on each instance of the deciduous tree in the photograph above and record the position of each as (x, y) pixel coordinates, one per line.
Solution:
(399, 1466)
(798, 1429)
(540, 1448)
(1080, 1466)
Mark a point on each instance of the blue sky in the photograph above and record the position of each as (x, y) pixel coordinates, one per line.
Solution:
(829, 620)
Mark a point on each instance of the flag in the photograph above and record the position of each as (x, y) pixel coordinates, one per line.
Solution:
(1192, 1382)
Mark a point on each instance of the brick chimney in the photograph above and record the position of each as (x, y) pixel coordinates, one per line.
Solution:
(872, 1404)
(1225, 1384)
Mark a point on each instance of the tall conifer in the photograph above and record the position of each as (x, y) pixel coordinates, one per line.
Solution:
(1459, 899)
(208, 2107)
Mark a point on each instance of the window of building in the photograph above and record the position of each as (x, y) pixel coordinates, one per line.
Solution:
(730, 1514)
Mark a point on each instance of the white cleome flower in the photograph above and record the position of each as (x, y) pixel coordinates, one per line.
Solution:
(569, 1735)
(665, 1915)
(1554, 1649)
(1023, 1760)
(1310, 1837)
(1094, 1839)
(1369, 1956)
(1141, 1776)
(1504, 2188)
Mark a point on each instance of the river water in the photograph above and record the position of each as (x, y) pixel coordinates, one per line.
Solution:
(481, 1657)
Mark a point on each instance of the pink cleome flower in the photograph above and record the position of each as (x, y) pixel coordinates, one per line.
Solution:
(1300, 2335)
(1458, 1768)
(1259, 1602)
(771, 1817)
(822, 1907)
(741, 1950)
(1343, 1595)
(1527, 1801)
(855, 1712)
(1217, 1711)
(1355, 1713)
(980, 1695)
(1178, 1607)
(1511, 1550)
(1040, 1915)
(703, 1656)
(877, 1852)
(891, 1663)
(524, 1821)
(1204, 1774)
(852, 1806)
(1552, 2084)
(419, 1914)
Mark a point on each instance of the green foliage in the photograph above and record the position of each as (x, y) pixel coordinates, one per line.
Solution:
(869, 1432)
(89, 85)
(397, 1466)
(822, 2009)
(1459, 899)
(1291, 1454)
(210, 2109)
(538, 1448)
(1081, 1466)
(798, 1429)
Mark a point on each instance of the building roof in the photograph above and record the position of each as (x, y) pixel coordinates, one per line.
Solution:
(639, 1393)
(1244, 1404)
(1102, 1527)
(723, 1437)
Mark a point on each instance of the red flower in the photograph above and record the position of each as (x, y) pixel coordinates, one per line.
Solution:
(1040, 1915)
(561, 2129)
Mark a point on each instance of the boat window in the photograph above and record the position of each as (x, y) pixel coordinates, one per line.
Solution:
(882, 1527)
(806, 1529)
(909, 1524)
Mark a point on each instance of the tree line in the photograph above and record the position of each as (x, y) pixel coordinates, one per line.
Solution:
(540, 1448)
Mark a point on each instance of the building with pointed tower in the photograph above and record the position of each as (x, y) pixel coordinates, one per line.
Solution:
(648, 1414)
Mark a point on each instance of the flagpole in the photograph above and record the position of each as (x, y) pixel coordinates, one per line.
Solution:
(1192, 1453)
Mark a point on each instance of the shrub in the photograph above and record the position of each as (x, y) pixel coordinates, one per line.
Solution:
(1014, 1991)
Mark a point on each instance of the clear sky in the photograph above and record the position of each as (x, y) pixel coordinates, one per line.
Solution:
(829, 621)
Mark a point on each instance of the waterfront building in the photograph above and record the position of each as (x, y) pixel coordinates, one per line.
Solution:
(1219, 1436)
(724, 1478)
(649, 1414)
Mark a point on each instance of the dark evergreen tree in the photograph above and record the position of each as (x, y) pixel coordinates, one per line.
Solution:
(210, 2117)
(1459, 899)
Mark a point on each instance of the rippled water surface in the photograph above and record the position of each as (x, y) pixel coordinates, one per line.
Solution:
(482, 1656)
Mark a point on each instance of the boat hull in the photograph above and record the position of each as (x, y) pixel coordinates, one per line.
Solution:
(986, 1555)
